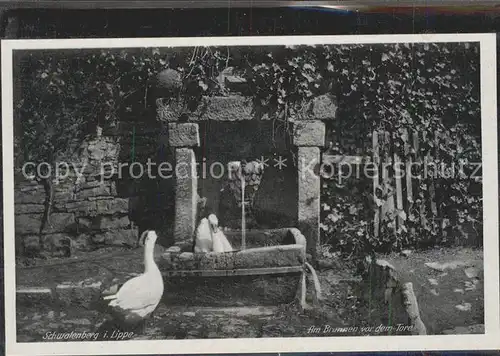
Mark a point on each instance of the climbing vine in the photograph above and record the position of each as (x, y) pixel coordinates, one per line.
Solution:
(431, 89)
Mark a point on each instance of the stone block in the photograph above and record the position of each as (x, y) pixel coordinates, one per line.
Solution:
(102, 149)
(91, 169)
(222, 292)
(60, 222)
(59, 244)
(84, 207)
(112, 206)
(324, 107)
(240, 108)
(113, 189)
(214, 260)
(63, 195)
(31, 196)
(83, 224)
(236, 84)
(110, 222)
(30, 223)
(102, 197)
(29, 208)
(117, 237)
(232, 108)
(186, 195)
(309, 134)
(30, 244)
(82, 242)
(53, 245)
(309, 197)
(183, 135)
(90, 184)
(26, 184)
(101, 189)
(272, 256)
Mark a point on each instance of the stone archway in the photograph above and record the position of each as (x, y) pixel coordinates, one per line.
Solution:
(184, 138)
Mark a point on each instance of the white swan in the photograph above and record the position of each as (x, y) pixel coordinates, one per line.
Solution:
(220, 241)
(139, 296)
(203, 240)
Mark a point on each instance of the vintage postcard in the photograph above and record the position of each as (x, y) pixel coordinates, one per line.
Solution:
(250, 194)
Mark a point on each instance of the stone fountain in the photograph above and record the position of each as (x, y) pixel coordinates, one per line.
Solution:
(268, 265)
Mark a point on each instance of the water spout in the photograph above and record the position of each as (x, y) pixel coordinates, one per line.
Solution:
(249, 174)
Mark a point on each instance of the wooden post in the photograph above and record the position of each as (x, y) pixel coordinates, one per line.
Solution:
(376, 181)
(422, 209)
(243, 218)
(388, 207)
(435, 178)
(409, 177)
(399, 189)
(432, 188)
(409, 162)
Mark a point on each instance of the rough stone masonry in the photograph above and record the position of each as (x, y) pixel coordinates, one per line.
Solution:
(88, 212)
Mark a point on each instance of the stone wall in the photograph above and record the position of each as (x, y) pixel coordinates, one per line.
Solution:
(99, 209)
(91, 210)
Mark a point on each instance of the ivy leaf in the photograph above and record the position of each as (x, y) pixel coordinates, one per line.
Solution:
(202, 85)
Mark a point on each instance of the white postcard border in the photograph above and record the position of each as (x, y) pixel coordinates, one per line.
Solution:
(489, 340)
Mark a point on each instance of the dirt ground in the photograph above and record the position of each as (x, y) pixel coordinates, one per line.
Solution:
(449, 286)
(343, 312)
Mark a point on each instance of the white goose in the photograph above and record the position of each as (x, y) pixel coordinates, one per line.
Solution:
(220, 241)
(139, 296)
(203, 240)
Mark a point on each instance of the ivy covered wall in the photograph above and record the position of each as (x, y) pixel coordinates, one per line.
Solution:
(65, 97)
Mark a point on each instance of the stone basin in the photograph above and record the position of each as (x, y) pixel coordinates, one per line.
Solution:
(267, 272)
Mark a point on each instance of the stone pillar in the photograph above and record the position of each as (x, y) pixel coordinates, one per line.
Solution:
(183, 137)
(308, 137)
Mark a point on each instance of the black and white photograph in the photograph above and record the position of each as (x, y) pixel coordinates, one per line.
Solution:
(335, 189)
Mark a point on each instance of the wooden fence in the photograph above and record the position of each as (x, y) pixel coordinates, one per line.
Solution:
(403, 194)
(397, 192)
